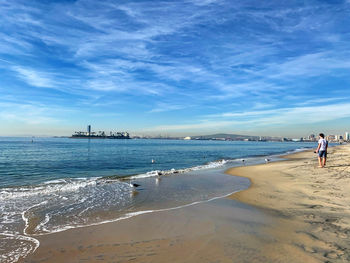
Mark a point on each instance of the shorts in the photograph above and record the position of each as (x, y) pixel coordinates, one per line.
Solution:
(322, 154)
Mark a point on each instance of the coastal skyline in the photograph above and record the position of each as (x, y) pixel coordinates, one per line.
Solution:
(175, 67)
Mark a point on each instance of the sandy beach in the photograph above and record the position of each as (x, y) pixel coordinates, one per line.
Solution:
(293, 212)
(312, 203)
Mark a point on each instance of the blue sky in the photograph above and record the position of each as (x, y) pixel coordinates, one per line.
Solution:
(175, 67)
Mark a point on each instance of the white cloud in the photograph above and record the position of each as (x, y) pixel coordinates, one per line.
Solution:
(255, 119)
(320, 101)
(33, 77)
(204, 2)
(104, 85)
(195, 52)
(28, 113)
(164, 107)
(199, 126)
(309, 65)
(302, 115)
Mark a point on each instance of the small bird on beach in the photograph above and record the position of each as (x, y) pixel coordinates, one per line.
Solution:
(267, 160)
(134, 185)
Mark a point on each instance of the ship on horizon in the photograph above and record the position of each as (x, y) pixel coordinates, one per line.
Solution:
(99, 135)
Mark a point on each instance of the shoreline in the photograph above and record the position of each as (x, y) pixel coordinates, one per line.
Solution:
(306, 250)
(206, 166)
(167, 172)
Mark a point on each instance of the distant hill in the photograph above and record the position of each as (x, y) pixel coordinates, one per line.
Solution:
(225, 136)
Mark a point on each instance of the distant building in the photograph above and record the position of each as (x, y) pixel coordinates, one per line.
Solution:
(89, 130)
(347, 136)
(331, 137)
(312, 137)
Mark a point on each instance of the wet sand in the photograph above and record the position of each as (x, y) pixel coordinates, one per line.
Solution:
(293, 212)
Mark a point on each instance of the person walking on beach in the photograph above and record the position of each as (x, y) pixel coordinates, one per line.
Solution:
(322, 150)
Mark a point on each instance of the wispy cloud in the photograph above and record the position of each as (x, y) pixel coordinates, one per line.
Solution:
(164, 107)
(34, 78)
(204, 2)
(257, 119)
(310, 65)
(28, 113)
(230, 60)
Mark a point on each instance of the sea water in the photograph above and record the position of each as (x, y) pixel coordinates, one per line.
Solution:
(50, 185)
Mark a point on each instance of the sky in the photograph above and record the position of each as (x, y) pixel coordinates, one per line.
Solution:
(176, 68)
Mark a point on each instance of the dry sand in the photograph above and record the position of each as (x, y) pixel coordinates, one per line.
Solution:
(293, 212)
(313, 203)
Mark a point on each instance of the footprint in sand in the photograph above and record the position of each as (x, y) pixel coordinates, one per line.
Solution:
(309, 249)
(342, 235)
(318, 229)
(311, 216)
(315, 206)
(331, 220)
(333, 254)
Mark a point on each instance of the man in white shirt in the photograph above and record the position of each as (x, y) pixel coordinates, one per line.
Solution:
(322, 150)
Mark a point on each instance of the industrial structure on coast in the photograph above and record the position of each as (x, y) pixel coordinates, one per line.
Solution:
(99, 135)
(89, 134)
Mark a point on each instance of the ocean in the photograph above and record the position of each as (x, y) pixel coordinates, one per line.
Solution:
(54, 184)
